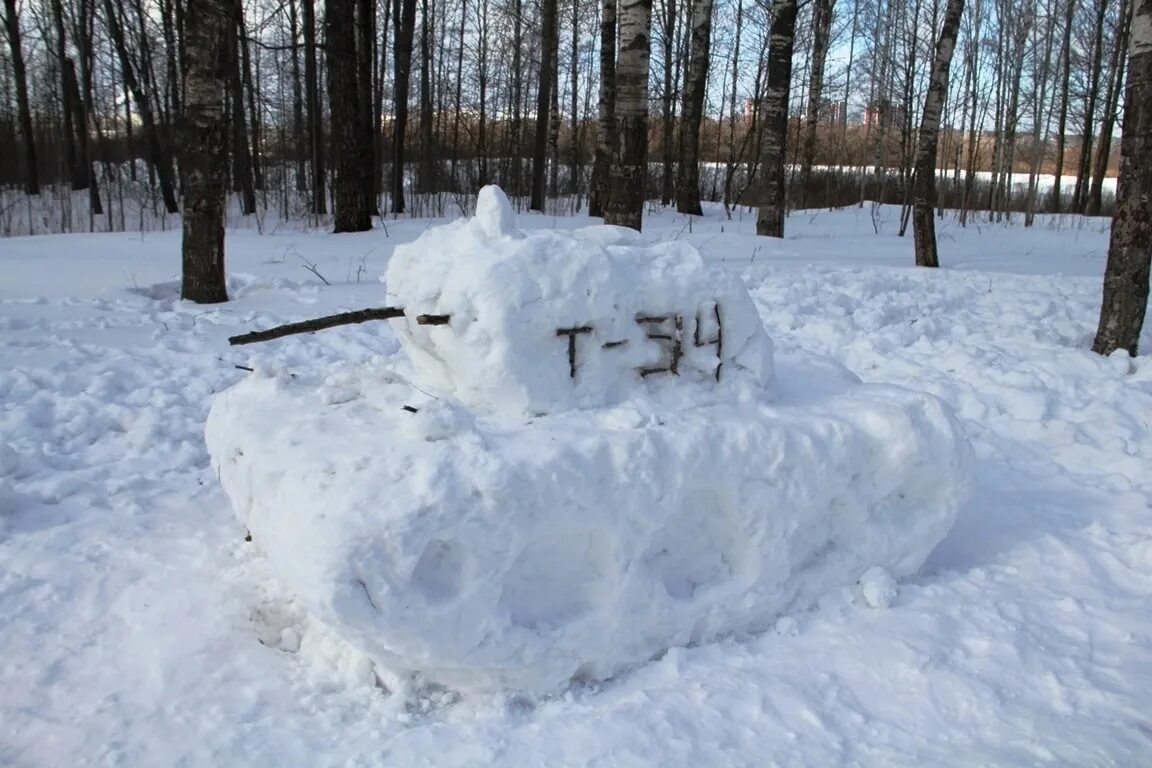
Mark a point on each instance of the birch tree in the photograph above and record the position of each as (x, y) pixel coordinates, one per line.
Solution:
(770, 217)
(426, 178)
(606, 137)
(1040, 119)
(242, 172)
(352, 212)
(315, 116)
(629, 170)
(12, 31)
(404, 17)
(668, 48)
(207, 34)
(157, 153)
(1062, 123)
(1130, 247)
(1095, 70)
(688, 176)
(84, 103)
(78, 174)
(368, 123)
(548, 45)
(822, 26)
(1111, 108)
(924, 186)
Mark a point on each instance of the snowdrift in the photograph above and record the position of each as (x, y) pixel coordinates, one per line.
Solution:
(587, 457)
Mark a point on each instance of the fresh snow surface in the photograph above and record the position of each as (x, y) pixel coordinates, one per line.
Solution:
(139, 628)
(548, 543)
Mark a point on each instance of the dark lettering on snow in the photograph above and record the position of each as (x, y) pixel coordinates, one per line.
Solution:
(668, 332)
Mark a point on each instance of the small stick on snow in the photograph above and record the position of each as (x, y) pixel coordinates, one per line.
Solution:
(312, 268)
(572, 333)
(318, 324)
(433, 319)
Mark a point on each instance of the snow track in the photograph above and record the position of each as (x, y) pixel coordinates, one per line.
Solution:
(139, 629)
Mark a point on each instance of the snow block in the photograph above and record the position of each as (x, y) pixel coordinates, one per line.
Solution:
(553, 320)
(482, 517)
(484, 553)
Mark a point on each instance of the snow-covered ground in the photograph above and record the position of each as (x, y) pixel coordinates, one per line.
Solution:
(139, 628)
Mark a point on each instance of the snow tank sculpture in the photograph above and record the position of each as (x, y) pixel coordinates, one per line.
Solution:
(586, 454)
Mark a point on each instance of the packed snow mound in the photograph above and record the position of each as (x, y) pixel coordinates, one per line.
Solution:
(519, 502)
(553, 320)
(483, 553)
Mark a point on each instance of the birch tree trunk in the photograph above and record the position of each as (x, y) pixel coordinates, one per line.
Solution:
(1115, 85)
(76, 171)
(822, 26)
(1062, 123)
(208, 37)
(548, 45)
(973, 139)
(770, 217)
(168, 23)
(426, 179)
(156, 152)
(574, 83)
(1012, 112)
(629, 170)
(516, 139)
(668, 48)
(315, 116)
(1040, 119)
(1080, 193)
(1130, 248)
(924, 192)
(606, 112)
(381, 43)
(998, 84)
(368, 124)
(297, 101)
(554, 117)
(908, 145)
(688, 178)
(84, 103)
(404, 17)
(251, 89)
(733, 157)
(12, 29)
(482, 78)
(242, 179)
(351, 212)
(82, 171)
(514, 149)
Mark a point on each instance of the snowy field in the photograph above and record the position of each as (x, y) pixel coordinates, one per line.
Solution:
(139, 628)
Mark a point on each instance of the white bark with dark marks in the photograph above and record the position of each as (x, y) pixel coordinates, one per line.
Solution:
(625, 206)
(924, 187)
(544, 97)
(207, 35)
(770, 217)
(1065, 79)
(695, 86)
(1130, 248)
(606, 115)
(822, 27)
(1111, 109)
